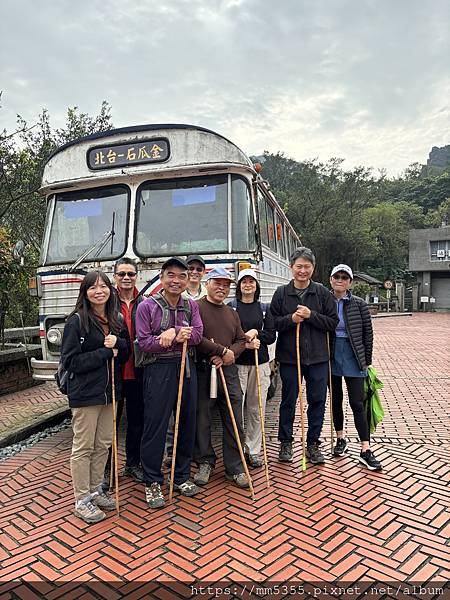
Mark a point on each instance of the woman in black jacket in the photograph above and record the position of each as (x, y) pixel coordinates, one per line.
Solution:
(353, 346)
(93, 337)
(257, 323)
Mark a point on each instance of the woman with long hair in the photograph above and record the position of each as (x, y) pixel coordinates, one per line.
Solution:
(259, 328)
(93, 337)
(353, 346)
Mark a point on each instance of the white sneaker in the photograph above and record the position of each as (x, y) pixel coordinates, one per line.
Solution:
(103, 500)
(90, 513)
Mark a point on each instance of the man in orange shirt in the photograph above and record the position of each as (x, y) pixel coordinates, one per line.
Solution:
(125, 273)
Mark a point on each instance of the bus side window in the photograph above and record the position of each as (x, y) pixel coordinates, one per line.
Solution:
(263, 219)
(271, 228)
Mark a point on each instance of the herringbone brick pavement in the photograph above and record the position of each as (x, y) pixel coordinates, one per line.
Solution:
(336, 524)
(31, 406)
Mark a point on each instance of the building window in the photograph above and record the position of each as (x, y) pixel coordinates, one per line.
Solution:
(440, 250)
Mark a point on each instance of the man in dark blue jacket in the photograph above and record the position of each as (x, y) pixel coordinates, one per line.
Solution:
(310, 304)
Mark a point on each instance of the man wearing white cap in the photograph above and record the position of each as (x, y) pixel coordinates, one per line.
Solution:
(257, 322)
(221, 324)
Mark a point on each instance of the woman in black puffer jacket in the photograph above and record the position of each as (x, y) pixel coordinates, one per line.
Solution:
(353, 345)
(93, 337)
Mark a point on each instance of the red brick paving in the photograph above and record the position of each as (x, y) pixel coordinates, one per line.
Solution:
(333, 523)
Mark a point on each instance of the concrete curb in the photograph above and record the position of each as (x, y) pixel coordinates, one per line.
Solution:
(43, 421)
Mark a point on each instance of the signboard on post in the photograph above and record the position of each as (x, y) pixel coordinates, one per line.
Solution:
(424, 299)
(388, 284)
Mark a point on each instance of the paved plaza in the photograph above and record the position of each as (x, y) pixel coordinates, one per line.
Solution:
(335, 524)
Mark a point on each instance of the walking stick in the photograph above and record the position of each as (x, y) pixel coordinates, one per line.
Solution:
(177, 418)
(300, 395)
(236, 432)
(114, 444)
(261, 417)
(330, 386)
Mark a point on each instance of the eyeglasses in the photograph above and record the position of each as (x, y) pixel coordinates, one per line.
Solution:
(198, 269)
(124, 273)
(339, 277)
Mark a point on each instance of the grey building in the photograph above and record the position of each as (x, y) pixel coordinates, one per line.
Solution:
(429, 258)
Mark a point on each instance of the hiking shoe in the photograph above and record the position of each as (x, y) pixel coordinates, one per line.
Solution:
(90, 513)
(135, 472)
(240, 479)
(103, 500)
(341, 447)
(106, 480)
(285, 454)
(187, 488)
(167, 461)
(314, 454)
(154, 496)
(368, 459)
(254, 460)
(203, 474)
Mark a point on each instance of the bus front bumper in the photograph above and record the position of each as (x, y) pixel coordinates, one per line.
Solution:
(44, 370)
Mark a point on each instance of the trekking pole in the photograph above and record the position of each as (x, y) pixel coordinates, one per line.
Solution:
(177, 418)
(114, 444)
(261, 417)
(300, 395)
(236, 432)
(330, 387)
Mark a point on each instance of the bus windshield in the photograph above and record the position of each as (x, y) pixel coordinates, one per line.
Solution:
(82, 218)
(190, 216)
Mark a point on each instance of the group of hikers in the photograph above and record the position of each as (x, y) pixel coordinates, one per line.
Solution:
(116, 336)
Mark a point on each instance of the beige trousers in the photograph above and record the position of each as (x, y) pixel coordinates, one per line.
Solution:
(250, 404)
(92, 436)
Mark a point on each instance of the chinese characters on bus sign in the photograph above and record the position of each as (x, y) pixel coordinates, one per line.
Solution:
(124, 155)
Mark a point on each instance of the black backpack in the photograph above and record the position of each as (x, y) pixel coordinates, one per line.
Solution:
(62, 375)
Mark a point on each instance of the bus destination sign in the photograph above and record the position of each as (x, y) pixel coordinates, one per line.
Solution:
(126, 155)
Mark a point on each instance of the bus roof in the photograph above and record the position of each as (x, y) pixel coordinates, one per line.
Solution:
(134, 129)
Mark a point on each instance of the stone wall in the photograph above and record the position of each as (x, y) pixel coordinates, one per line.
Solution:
(14, 374)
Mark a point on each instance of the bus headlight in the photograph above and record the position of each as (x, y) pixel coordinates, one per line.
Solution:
(54, 336)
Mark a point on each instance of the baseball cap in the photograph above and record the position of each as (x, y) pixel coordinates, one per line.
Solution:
(344, 268)
(218, 273)
(196, 257)
(247, 273)
(176, 261)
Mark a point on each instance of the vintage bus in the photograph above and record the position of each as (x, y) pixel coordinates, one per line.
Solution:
(150, 192)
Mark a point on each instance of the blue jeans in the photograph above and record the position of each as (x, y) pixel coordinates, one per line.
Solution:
(316, 378)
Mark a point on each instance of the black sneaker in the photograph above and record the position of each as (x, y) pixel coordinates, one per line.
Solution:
(285, 454)
(314, 454)
(341, 447)
(368, 459)
(135, 472)
(154, 495)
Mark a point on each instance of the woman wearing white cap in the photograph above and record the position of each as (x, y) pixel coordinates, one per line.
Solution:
(258, 325)
(352, 355)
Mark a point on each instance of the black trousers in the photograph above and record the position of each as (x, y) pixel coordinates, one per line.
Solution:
(160, 397)
(133, 399)
(204, 451)
(134, 404)
(355, 389)
(316, 378)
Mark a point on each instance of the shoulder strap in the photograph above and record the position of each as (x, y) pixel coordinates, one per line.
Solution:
(233, 303)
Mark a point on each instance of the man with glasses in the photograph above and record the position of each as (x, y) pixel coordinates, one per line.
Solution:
(125, 274)
(220, 323)
(195, 289)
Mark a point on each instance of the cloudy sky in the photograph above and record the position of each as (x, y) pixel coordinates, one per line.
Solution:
(364, 80)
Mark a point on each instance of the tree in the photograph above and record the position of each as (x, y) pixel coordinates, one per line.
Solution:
(23, 154)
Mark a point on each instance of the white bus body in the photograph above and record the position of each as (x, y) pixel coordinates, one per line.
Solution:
(150, 192)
